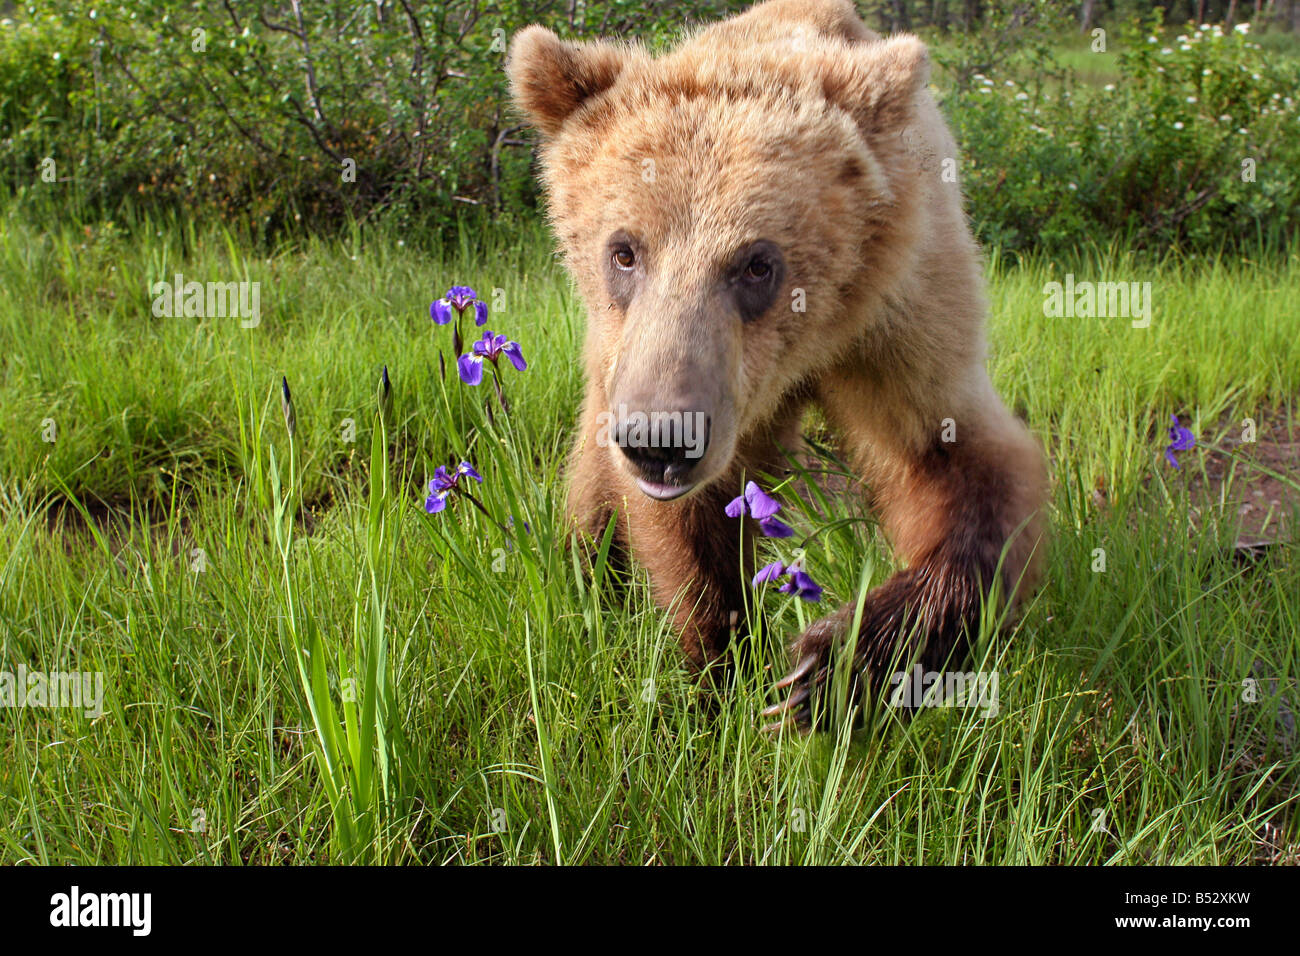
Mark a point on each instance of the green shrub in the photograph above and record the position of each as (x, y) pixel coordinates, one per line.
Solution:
(255, 114)
(1197, 144)
(258, 111)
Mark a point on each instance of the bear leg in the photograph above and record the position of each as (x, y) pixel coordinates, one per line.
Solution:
(692, 552)
(690, 548)
(961, 514)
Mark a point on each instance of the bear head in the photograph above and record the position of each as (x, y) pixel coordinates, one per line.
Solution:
(733, 213)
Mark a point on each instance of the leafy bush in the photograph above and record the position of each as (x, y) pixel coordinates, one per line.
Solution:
(256, 113)
(249, 109)
(1196, 143)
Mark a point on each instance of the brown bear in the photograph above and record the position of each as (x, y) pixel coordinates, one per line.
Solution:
(757, 225)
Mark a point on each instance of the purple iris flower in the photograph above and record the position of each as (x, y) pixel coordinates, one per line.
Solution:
(800, 584)
(444, 484)
(1180, 439)
(759, 505)
(510, 527)
(460, 298)
(490, 347)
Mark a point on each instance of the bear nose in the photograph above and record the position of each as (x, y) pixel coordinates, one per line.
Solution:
(664, 446)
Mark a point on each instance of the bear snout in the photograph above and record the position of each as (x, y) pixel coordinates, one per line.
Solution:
(662, 447)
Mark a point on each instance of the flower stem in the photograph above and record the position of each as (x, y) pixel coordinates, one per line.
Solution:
(501, 395)
(479, 505)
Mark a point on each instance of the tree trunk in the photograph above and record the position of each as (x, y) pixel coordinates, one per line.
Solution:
(901, 21)
(1085, 15)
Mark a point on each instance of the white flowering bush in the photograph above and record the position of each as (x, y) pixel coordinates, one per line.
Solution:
(1196, 144)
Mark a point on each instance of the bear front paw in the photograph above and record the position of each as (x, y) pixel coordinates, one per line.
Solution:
(808, 685)
(892, 638)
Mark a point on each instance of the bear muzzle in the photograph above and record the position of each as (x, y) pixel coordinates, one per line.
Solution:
(662, 449)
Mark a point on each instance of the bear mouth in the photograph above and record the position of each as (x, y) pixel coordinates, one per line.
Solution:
(662, 492)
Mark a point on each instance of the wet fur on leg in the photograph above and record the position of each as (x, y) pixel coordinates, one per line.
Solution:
(929, 613)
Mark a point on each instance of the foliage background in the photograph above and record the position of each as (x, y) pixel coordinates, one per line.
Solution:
(250, 110)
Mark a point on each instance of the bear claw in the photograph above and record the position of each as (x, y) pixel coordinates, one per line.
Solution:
(805, 681)
(800, 670)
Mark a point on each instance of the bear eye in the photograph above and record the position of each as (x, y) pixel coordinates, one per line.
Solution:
(757, 270)
(624, 258)
(755, 276)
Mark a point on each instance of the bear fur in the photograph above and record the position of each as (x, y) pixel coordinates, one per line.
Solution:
(757, 224)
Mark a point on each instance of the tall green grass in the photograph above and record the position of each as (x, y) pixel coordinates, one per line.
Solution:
(343, 677)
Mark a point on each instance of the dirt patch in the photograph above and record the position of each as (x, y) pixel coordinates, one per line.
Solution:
(1253, 483)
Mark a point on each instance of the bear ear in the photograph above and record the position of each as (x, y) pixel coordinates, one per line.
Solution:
(878, 83)
(550, 78)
